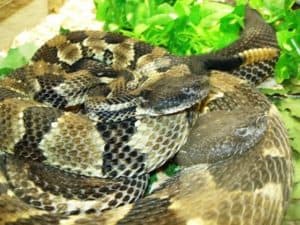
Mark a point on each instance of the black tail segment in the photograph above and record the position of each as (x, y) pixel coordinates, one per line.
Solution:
(251, 57)
(218, 62)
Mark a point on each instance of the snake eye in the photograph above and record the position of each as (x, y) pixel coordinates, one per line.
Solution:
(243, 131)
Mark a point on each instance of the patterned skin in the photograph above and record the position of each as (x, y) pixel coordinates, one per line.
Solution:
(96, 112)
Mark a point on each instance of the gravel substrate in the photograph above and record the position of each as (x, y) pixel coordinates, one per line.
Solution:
(73, 15)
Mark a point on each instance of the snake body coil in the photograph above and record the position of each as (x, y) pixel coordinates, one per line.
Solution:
(85, 123)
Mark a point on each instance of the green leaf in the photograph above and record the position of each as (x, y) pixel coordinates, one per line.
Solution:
(296, 191)
(283, 67)
(274, 91)
(293, 126)
(165, 8)
(270, 10)
(293, 210)
(140, 28)
(160, 19)
(182, 8)
(152, 179)
(292, 87)
(4, 71)
(292, 105)
(17, 57)
(296, 163)
(63, 31)
(195, 16)
(172, 169)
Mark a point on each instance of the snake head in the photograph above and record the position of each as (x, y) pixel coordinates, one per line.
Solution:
(219, 135)
(164, 96)
(172, 94)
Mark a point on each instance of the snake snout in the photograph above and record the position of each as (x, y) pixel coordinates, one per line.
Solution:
(173, 94)
(253, 129)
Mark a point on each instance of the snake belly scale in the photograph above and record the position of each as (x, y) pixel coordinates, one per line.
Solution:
(84, 124)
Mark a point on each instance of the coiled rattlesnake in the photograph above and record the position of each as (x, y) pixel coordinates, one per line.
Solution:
(84, 124)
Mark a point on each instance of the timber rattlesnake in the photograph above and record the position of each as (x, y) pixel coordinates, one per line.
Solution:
(84, 124)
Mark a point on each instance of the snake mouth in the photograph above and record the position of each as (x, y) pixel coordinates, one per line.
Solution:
(173, 94)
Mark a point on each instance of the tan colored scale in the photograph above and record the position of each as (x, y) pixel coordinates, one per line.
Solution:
(12, 208)
(18, 173)
(74, 143)
(69, 52)
(41, 68)
(57, 41)
(13, 85)
(123, 54)
(96, 45)
(170, 134)
(11, 122)
(148, 58)
(74, 84)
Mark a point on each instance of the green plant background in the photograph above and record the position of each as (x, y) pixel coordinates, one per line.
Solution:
(187, 27)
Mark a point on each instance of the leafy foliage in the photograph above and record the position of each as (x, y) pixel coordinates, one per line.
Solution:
(187, 27)
(183, 27)
(63, 31)
(16, 57)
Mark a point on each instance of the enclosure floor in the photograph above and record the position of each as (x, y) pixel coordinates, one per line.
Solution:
(32, 23)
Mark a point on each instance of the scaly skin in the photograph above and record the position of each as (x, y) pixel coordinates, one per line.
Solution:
(83, 126)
